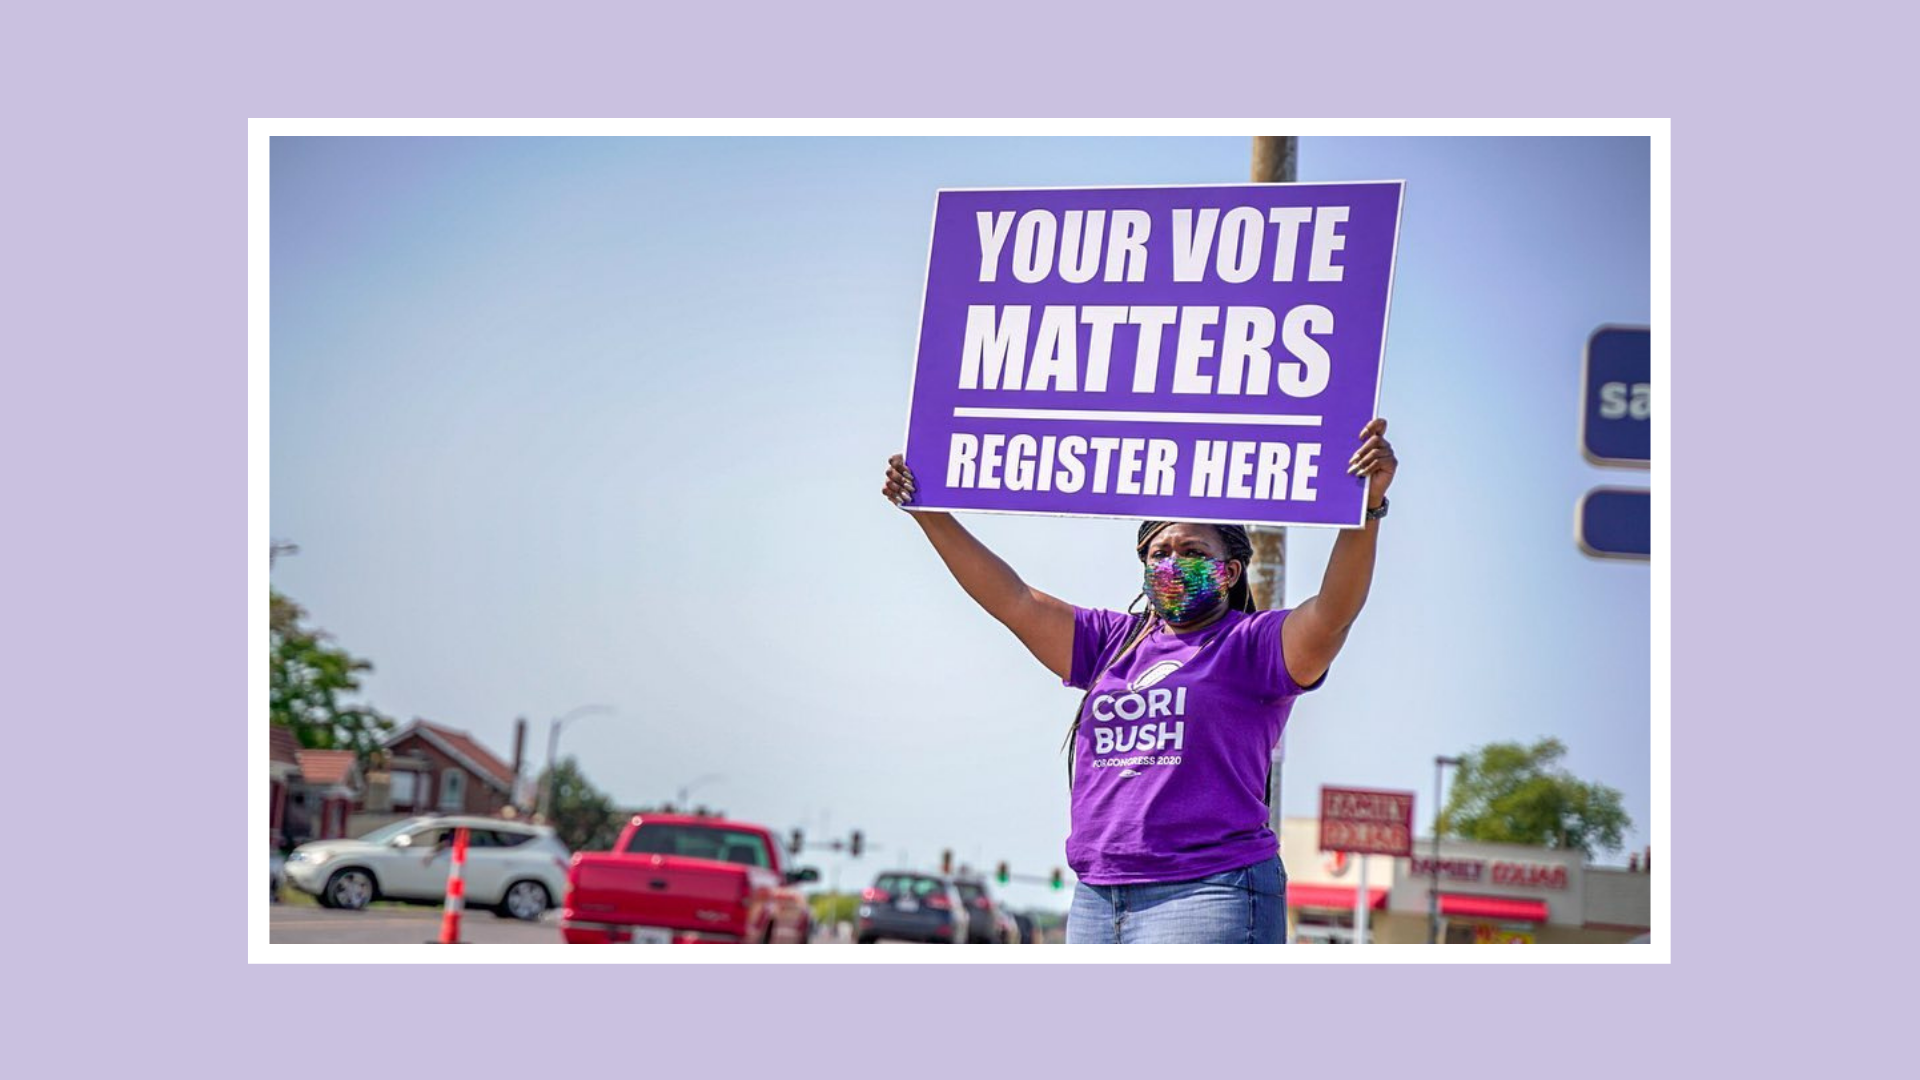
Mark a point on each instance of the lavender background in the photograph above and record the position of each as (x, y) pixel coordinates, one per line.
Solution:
(124, 433)
(1357, 302)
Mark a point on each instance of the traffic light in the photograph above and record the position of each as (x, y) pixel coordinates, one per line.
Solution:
(1001, 874)
(796, 841)
(856, 843)
(946, 861)
(1059, 881)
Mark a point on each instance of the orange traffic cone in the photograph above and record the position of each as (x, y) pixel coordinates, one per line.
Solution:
(456, 891)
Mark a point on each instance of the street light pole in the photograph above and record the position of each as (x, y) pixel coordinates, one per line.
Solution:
(1433, 890)
(686, 803)
(553, 749)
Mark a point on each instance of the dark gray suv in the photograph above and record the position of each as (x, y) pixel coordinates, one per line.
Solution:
(983, 915)
(906, 905)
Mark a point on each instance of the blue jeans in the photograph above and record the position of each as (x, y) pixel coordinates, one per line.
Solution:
(1248, 905)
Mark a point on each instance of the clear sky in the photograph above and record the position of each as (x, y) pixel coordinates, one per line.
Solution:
(560, 421)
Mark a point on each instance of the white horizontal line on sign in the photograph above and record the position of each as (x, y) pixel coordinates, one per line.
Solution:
(1141, 417)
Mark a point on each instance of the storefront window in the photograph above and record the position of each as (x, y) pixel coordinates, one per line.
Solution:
(1461, 932)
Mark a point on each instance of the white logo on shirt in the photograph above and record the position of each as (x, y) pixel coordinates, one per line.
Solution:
(1153, 675)
(1119, 716)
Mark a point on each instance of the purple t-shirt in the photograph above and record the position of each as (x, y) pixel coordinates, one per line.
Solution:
(1171, 761)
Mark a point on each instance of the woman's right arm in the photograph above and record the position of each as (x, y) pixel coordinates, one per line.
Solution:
(1044, 624)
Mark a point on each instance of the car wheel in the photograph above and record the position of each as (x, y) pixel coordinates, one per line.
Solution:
(351, 889)
(865, 939)
(525, 900)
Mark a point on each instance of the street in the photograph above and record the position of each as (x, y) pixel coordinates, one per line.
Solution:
(293, 924)
(297, 924)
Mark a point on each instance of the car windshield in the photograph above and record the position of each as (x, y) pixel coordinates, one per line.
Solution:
(969, 891)
(387, 832)
(908, 884)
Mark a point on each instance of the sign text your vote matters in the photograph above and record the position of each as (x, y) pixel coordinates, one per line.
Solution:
(1159, 352)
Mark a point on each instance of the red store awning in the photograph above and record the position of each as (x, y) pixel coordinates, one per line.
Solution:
(1339, 897)
(1503, 908)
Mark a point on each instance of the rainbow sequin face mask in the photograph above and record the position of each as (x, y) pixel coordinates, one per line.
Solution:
(1184, 588)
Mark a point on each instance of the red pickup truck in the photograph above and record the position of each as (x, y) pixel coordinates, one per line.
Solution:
(674, 879)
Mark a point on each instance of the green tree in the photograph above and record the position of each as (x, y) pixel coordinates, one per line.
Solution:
(1516, 794)
(830, 908)
(583, 816)
(309, 678)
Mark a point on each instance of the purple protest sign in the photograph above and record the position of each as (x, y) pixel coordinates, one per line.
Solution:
(1199, 353)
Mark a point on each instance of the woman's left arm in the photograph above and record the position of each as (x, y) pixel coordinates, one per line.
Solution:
(1312, 636)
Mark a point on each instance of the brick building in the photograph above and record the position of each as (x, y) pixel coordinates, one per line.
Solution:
(429, 768)
(311, 793)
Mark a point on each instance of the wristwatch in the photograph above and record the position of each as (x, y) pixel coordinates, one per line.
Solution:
(1378, 512)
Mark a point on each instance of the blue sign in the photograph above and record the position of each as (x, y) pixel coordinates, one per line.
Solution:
(1615, 523)
(1617, 387)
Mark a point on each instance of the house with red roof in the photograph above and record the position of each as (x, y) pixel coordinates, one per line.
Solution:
(425, 768)
(283, 768)
(333, 784)
(431, 768)
(311, 793)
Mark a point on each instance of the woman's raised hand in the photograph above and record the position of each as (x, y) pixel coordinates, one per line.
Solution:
(899, 486)
(1374, 460)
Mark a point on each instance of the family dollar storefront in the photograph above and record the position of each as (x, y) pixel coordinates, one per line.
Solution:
(1322, 887)
(1506, 894)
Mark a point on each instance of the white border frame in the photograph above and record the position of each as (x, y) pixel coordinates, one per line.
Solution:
(261, 130)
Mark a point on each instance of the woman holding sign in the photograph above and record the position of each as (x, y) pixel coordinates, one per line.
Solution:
(1185, 700)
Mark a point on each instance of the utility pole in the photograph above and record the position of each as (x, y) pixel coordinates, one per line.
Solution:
(1274, 162)
(1433, 887)
(686, 789)
(553, 749)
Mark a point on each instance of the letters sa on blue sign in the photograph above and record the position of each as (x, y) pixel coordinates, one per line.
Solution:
(1617, 388)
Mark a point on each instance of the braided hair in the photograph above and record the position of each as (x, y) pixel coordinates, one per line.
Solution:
(1239, 546)
(1240, 598)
